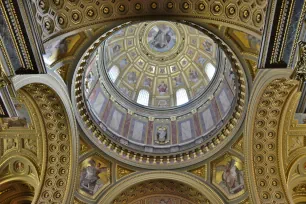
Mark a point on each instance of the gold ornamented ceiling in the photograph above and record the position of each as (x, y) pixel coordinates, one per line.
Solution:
(59, 16)
(273, 141)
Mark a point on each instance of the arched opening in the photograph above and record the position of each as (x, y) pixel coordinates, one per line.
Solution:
(113, 73)
(16, 192)
(143, 97)
(181, 97)
(210, 70)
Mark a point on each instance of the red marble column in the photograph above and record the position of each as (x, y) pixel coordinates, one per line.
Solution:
(127, 125)
(197, 124)
(107, 111)
(174, 132)
(150, 133)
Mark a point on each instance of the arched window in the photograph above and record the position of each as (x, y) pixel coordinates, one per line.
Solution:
(210, 70)
(143, 97)
(113, 73)
(181, 97)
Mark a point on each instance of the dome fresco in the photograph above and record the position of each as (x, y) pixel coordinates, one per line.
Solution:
(160, 87)
(160, 58)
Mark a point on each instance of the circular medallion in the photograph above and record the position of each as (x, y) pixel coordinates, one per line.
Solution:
(161, 41)
(161, 38)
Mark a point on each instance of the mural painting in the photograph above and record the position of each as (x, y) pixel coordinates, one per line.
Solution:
(61, 48)
(228, 175)
(162, 88)
(161, 38)
(207, 46)
(95, 175)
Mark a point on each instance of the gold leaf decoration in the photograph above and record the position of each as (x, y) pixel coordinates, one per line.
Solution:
(238, 145)
(122, 172)
(201, 172)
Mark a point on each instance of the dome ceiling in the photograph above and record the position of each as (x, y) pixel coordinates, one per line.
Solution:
(160, 64)
(150, 57)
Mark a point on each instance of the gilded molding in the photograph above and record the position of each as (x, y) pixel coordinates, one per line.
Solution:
(204, 192)
(72, 15)
(58, 158)
(263, 149)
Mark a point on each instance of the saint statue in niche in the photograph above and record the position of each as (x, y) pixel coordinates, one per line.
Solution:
(162, 135)
(131, 77)
(162, 88)
(161, 38)
(232, 178)
(88, 80)
(193, 75)
(90, 180)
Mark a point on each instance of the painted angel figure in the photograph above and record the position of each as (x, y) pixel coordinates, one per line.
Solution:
(232, 177)
(90, 177)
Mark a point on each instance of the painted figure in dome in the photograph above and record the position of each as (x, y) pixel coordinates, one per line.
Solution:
(232, 177)
(90, 180)
(123, 63)
(201, 60)
(162, 88)
(178, 80)
(147, 82)
(162, 38)
(131, 77)
(116, 49)
(193, 75)
(207, 46)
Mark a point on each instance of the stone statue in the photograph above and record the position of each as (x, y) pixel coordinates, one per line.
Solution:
(162, 135)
